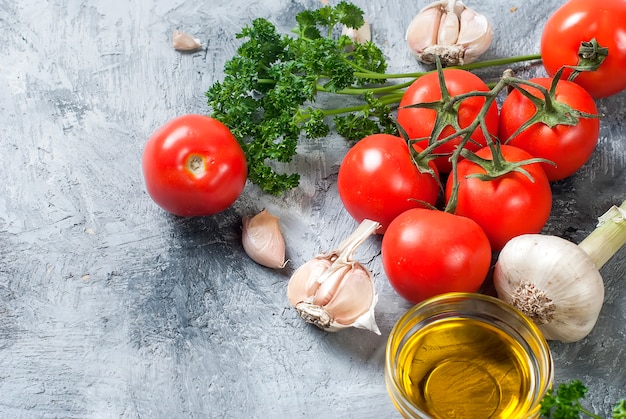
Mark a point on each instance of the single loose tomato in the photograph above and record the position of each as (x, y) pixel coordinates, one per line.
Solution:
(194, 166)
(508, 205)
(419, 122)
(582, 21)
(568, 146)
(377, 180)
(427, 252)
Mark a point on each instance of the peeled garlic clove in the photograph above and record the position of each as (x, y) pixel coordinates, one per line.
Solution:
(449, 30)
(184, 42)
(263, 241)
(334, 292)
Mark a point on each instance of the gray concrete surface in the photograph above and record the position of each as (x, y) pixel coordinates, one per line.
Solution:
(110, 307)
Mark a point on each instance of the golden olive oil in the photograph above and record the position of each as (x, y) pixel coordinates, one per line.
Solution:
(465, 368)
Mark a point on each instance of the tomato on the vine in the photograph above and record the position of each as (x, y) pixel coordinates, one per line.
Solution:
(194, 166)
(426, 252)
(508, 205)
(378, 180)
(569, 147)
(583, 21)
(419, 122)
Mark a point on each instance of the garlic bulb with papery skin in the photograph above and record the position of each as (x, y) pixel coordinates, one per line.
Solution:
(333, 291)
(563, 299)
(556, 283)
(450, 30)
(263, 241)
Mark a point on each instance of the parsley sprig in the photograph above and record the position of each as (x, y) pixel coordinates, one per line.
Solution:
(565, 403)
(269, 96)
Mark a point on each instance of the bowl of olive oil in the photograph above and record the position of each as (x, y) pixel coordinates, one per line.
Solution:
(467, 355)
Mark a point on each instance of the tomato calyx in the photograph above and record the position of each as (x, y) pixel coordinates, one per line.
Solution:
(447, 107)
(420, 159)
(549, 111)
(498, 166)
(590, 56)
(447, 115)
(494, 168)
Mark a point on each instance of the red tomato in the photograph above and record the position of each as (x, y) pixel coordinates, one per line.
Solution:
(581, 21)
(568, 146)
(507, 206)
(194, 166)
(428, 252)
(419, 122)
(378, 180)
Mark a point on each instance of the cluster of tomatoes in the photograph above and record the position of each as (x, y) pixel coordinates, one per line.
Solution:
(428, 251)
(194, 166)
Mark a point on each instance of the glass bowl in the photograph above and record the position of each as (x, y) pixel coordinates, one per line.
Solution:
(467, 355)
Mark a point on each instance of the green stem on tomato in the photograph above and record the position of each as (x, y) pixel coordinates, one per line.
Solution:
(494, 168)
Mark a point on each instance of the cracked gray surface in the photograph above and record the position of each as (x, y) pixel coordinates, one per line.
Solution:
(110, 307)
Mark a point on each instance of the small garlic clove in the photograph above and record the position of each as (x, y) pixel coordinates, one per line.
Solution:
(263, 241)
(304, 281)
(449, 30)
(360, 35)
(423, 29)
(184, 42)
(329, 285)
(334, 292)
(449, 27)
(475, 35)
(353, 296)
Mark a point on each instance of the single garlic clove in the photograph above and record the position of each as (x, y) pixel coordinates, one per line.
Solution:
(304, 281)
(359, 36)
(448, 29)
(184, 42)
(353, 297)
(329, 285)
(475, 35)
(263, 241)
(423, 29)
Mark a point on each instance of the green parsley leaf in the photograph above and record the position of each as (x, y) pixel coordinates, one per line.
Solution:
(350, 15)
(619, 410)
(565, 403)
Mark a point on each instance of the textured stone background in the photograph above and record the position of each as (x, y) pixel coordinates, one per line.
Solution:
(110, 307)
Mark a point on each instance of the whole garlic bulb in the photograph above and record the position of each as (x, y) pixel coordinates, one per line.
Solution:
(263, 241)
(450, 30)
(333, 291)
(553, 282)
